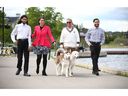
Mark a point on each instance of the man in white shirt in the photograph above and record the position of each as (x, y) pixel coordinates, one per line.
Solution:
(95, 37)
(21, 35)
(69, 38)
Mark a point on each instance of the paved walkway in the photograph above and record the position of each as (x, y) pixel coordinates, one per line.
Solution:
(83, 79)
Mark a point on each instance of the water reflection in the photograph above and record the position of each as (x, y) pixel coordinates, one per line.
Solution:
(119, 62)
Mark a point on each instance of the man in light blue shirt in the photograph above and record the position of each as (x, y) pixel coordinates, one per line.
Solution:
(95, 37)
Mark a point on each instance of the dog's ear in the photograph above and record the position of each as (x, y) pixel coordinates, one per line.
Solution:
(58, 53)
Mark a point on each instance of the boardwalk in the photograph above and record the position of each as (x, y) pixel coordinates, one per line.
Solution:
(83, 79)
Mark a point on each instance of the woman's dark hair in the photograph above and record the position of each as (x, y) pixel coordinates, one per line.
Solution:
(95, 19)
(40, 18)
(22, 18)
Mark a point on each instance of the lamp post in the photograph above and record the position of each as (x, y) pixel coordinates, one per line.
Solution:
(2, 26)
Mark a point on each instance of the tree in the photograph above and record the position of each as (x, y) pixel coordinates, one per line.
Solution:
(7, 30)
(52, 18)
(33, 14)
(1, 15)
(116, 38)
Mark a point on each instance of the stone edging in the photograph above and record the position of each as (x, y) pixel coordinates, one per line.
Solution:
(105, 69)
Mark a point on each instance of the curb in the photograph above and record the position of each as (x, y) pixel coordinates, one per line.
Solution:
(105, 69)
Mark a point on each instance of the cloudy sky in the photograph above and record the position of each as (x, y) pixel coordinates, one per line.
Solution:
(113, 16)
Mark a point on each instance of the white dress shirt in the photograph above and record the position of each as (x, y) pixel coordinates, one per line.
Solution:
(21, 31)
(69, 39)
(95, 35)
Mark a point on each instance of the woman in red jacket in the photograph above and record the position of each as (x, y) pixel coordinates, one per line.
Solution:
(42, 42)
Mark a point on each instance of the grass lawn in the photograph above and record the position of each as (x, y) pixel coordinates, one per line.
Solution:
(114, 46)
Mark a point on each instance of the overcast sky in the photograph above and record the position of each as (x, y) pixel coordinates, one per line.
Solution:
(113, 18)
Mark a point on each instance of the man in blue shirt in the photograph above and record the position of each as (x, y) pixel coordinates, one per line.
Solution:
(95, 37)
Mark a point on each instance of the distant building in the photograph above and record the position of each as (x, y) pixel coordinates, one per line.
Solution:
(11, 21)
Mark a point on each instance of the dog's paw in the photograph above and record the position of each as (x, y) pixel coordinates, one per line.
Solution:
(70, 75)
(62, 73)
(58, 74)
(66, 75)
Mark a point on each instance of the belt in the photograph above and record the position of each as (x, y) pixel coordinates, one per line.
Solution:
(95, 42)
(23, 39)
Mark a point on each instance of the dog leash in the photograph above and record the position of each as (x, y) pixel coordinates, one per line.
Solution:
(49, 54)
(55, 48)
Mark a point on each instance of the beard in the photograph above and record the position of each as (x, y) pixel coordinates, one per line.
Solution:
(96, 25)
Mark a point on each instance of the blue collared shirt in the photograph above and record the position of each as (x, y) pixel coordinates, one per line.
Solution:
(95, 35)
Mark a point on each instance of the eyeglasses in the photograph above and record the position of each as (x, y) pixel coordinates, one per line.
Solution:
(69, 22)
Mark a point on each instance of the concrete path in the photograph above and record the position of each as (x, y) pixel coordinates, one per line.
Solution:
(83, 79)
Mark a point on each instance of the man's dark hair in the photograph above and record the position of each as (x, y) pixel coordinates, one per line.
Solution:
(95, 19)
(22, 18)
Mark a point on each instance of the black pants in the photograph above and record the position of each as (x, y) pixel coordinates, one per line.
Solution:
(44, 61)
(23, 50)
(95, 51)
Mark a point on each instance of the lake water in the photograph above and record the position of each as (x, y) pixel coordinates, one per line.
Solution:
(119, 62)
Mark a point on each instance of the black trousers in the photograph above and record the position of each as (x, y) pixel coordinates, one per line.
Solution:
(23, 51)
(38, 60)
(95, 51)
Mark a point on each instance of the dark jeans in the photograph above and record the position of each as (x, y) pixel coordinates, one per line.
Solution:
(95, 51)
(23, 50)
(44, 61)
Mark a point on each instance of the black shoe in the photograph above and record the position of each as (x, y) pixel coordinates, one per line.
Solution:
(26, 74)
(95, 73)
(18, 71)
(37, 70)
(99, 70)
(44, 73)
